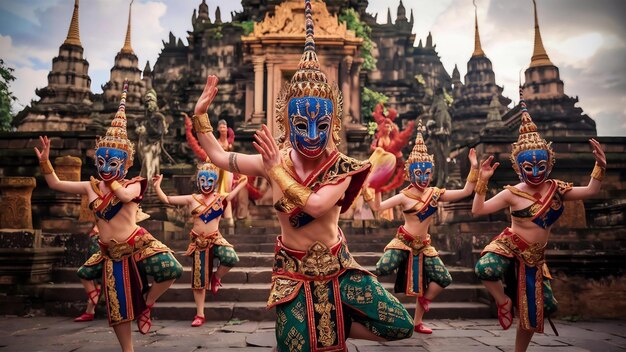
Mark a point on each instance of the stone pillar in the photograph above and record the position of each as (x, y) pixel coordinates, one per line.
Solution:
(355, 91)
(259, 84)
(346, 86)
(16, 210)
(270, 121)
(67, 205)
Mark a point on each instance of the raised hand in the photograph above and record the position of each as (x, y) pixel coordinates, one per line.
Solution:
(156, 180)
(44, 154)
(266, 146)
(472, 158)
(486, 169)
(208, 94)
(598, 152)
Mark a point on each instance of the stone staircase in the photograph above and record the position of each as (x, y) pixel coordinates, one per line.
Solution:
(246, 287)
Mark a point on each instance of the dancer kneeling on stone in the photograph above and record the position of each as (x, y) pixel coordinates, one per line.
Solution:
(207, 208)
(518, 253)
(421, 273)
(128, 253)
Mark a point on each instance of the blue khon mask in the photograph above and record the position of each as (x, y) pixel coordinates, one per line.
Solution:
(207, 179)
(111, 163)
(534, 166)
(420, 174)
(309, 125)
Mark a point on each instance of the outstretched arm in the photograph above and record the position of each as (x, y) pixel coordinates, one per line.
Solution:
(377, 205)
(233, 162)
(578, 193)
(500, 201)
(77, 187)
(241, 184)
(458, 194)
(173, 200)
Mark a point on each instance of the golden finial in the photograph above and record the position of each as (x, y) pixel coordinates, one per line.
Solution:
(540, 57)
(73, 35)
(127, 49)
(478, 50)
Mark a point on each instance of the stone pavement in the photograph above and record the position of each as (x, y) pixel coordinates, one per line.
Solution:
(62, 334)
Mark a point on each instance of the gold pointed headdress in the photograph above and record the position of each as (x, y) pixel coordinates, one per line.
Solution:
(529, 138)
(116, 136)
(309, 80)
(419, 152)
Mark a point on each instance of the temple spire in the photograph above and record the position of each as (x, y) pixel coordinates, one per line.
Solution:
(73, 35)
(540, 57)
(127, 49)
(478, 49)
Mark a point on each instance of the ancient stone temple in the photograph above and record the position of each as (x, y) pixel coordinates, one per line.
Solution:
(126, 67)
(554, 112)
(274, 48)
(65, 103)
(472, 100)
(407, 74)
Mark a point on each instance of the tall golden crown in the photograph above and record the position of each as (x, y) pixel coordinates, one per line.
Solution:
(529, 138)
(419, 152)
(309, 80)
(208, 166)
(116, 136)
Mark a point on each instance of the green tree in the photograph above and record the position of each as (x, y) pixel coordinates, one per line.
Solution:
(6, 97)
(353, 22)
(369, 100)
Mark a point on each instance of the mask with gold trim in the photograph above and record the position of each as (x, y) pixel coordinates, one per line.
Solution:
(532, 157)
(420, 164)
(206, 178)
(115, 152)
(309, 109)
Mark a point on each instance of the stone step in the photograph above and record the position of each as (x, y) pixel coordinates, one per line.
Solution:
(257, 311)
(265, 259)
(242, 275)
(249, 292)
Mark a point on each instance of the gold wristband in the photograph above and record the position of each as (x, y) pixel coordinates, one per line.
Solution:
(481, 186)
(472, 176)
(46, 167)
(293, 191)
(368, 194)
(115, 186)
(202, 124)
(598, 172)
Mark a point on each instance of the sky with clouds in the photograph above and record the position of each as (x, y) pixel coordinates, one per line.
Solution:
(585, 39)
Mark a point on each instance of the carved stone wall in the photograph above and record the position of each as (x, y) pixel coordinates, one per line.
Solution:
(15, 204)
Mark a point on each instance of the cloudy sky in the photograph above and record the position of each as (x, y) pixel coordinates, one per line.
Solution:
(585, 39)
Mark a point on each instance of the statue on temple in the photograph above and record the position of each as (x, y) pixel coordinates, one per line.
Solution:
(124, 246)
(439, 131)
(312, 183)
(517, 255)
(420, 271)
(150, 132)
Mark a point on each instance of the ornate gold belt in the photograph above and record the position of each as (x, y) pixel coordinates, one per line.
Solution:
(202, 241)
(318, 262)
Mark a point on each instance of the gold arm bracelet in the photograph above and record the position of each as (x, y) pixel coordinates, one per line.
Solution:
(293, 191)
(46, 167)
(368, 194)
(115, 186)
(202, 124)
(598, 172)
(481, 186)
(472, 176)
